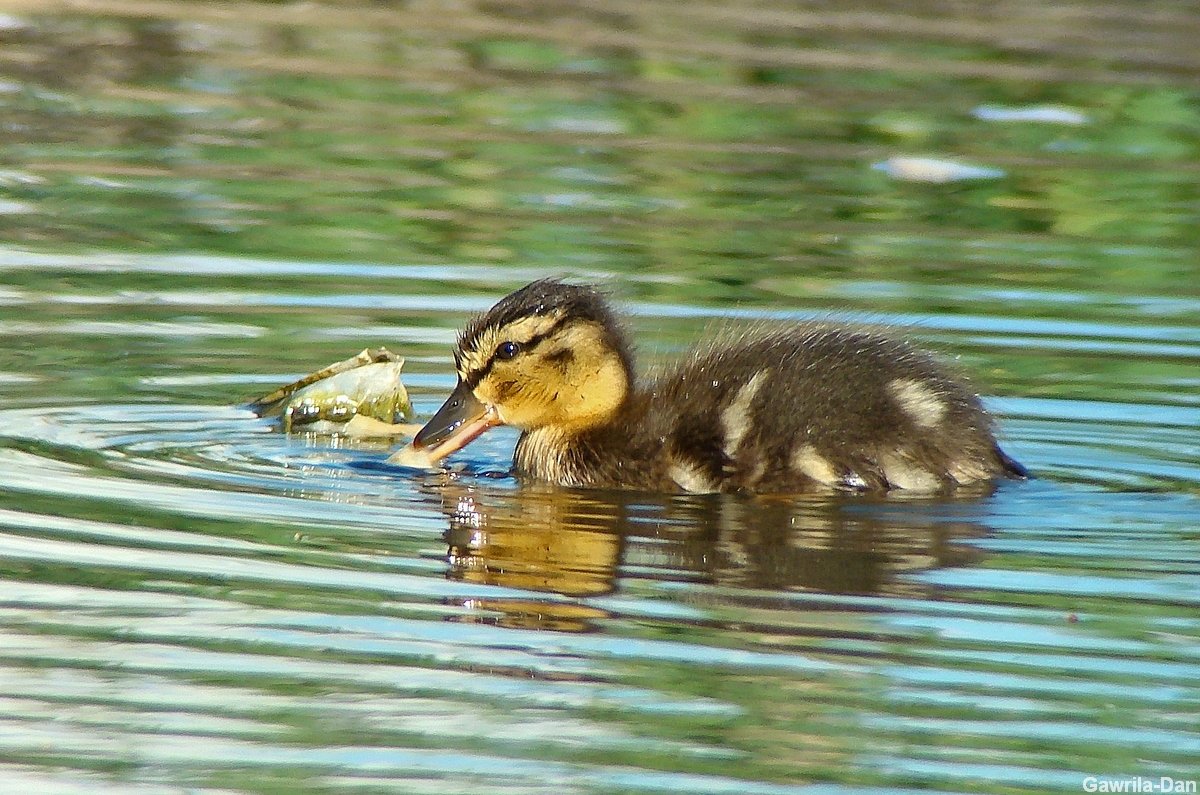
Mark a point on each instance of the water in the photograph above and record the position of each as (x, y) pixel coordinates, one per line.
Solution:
(200, 202)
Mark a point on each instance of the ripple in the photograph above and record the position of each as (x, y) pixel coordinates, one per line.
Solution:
(142, 328)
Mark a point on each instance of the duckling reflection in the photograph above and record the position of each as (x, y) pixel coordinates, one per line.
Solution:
(825, 546)
(577, 544)
(547, 541)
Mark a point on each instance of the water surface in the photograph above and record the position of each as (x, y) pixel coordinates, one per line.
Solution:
(199, 202)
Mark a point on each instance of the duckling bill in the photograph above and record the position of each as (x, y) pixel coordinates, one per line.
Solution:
(795, 409)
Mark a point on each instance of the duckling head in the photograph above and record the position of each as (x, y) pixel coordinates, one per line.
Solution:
(550, 356)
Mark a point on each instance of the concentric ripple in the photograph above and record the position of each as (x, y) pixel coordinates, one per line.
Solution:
(232, 586)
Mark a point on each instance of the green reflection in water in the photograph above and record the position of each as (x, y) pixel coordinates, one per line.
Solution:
(191, 602)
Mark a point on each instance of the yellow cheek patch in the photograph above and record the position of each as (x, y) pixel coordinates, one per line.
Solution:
(569, 376)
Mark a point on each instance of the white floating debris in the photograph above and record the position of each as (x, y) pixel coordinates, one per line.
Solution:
(11, 179)
(100, 182)
(11, 24)
(579, 125)
(12, 207)
(932, 169)
(1041, 114)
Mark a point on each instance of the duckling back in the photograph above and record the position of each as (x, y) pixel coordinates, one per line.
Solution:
(814, 408)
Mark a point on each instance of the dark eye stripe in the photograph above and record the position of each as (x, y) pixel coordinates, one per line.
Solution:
(474, 377)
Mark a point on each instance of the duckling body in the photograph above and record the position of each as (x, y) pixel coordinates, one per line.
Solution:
(796, 409)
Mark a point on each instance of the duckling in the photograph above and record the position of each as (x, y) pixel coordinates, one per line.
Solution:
(801, 408)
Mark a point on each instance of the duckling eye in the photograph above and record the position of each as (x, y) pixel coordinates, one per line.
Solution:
(507, 350)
